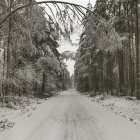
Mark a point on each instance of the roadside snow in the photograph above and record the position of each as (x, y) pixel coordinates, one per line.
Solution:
(11, 113)
(71, 116)
(125, 108)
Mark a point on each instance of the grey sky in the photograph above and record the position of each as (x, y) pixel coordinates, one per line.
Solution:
(81, 2)
(65, 46)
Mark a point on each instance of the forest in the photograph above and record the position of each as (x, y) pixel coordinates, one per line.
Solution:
(104, 66)
(69, 70)
(30, 63)
(107, 61)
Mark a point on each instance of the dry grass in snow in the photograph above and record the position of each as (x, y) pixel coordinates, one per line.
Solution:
(16, 108)
(125, 107)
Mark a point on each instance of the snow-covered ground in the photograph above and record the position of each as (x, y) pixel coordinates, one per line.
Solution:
(121, 106)
(12, 113)
(71, 116)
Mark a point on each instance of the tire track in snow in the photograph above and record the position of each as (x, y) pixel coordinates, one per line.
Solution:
(71, 116)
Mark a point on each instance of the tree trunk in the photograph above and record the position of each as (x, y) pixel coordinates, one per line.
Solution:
(101, 72)
(133, 58)
(129, 54)
(120, 67)
(8, 51)
(95, 75)
(110, 73)
(137, 51)
(43, 82)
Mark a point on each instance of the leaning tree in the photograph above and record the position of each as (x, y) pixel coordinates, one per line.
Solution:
(64, 16)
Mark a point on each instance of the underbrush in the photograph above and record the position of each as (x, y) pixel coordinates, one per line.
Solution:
(126, 107)
(13, 108)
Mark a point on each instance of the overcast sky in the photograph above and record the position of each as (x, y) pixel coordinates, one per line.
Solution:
(81, 2)
(65, 46)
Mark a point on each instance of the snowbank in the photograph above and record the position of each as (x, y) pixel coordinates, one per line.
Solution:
(124, 107)
(17, 108)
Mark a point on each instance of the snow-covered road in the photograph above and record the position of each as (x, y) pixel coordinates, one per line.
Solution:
(71, 116)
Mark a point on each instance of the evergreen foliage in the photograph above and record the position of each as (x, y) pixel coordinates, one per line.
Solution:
(103, 64)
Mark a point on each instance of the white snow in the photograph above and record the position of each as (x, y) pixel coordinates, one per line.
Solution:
(71, 116)
(127, 109)
(9, 116)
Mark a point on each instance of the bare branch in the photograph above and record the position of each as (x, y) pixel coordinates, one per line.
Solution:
(75, 13)
(78, 12)
(48, 16)
(60, 2)
(51, 11)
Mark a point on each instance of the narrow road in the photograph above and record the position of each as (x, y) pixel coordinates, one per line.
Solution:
(71, 116)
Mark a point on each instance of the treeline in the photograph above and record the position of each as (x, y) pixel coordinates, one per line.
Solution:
(106, 66)
(30, 63)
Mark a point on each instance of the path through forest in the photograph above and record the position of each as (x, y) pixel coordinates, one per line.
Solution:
(71, 116)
